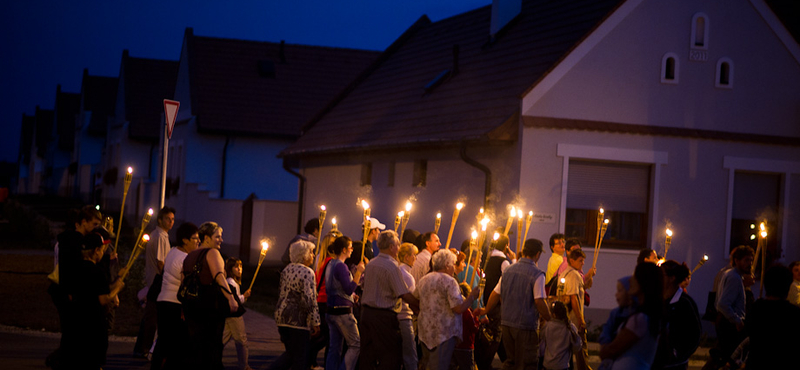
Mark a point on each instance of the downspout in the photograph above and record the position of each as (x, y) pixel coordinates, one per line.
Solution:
(300, 195)
(224, 165)
(487, 172)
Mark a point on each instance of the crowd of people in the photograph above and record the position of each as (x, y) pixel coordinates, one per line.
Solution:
(413, 305)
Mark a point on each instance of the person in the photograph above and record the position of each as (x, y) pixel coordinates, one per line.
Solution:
(681, 332)
(588, 278)
(381, 342)
(297, 314)
(773, 323)
(634, 347)
(647, 255)
(469, 272)
(67, 256)
(375, 228)
(90, 297)
(312, 231)
(407, 255)
(498, 261)
(342, 325)
(560, 339)
(794, 289)
(731, 306)
(155, 252)
(463, 355)
(432, 244)
(234, 325)
(618, 316)
(557, 246)
(521, 288)
(173, 334)
(574, 291)
(321, 341)
(441, 305)
(206, 323)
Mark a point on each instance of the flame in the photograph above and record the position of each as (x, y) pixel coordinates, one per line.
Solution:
(602, 210)
(150, 211)
(459, 206)
(763, 227)
(474, 235)
(484, 222)
(264, 245)
(669, 232)
(130, 169)
(563, 280)
(660, 261)
(496, 236)
(333, 221)
(763, 234)
(530, 213)
(146, 237)
(322, 208)
(401, 214)
(439, 215)
(705, 257)
(519, 214)
(605, 221)
(364, 204)
(481, 212)
(408, 206)
(513, 212)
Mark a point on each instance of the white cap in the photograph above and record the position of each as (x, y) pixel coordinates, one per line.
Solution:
(374, 223)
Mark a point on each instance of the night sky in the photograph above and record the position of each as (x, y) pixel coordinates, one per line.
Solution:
(46, 43)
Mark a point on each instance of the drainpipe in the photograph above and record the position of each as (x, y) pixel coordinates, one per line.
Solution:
(487, 172)
(300, 195)
(224, 165)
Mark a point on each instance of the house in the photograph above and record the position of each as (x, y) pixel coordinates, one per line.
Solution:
(24, 158)
(59, 174)
(242, 102)
(97, 103)
(677, 115)
(36, 132)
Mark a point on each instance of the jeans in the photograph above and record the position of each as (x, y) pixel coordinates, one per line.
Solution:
(440, 357)
(296, 342)
(342, 328)
(409, 345)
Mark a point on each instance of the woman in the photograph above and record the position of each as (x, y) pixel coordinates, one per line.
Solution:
(635, 344)
(172, 331)
(205, 323)
(339, 286)
(682, 320)
(297, 315)
(321, 341)
(407, 256)
(441, 306)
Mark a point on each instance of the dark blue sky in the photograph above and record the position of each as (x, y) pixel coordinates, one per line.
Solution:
(49, 42)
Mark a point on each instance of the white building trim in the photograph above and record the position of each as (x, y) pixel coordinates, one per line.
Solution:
(785, 168)
(656, 158)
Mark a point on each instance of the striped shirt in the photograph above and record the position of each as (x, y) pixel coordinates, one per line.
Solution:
(383, 283)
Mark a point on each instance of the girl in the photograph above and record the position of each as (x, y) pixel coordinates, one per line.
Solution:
(560, 339)
(234, 326)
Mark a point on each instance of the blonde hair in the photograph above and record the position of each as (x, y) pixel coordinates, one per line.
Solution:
(406, 249)
(207, 229)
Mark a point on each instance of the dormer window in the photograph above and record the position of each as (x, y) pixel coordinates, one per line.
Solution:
(699, 31)
(724, 78)
(669, 68)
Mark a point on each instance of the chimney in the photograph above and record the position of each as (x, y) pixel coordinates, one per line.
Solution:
(503, 11)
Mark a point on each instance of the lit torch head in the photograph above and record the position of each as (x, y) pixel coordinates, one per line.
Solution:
(264, 247)
(496, 236)
(439, 216)
(408, 206)
(474, 235)
(459, 206)
(763, 234)
(130, 170)
(512, 212)
(669, 232)
(705, 257)
(364, 204)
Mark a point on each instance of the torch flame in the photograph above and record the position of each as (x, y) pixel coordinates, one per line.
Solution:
(459, 206)
(669, 232)
(496, 236)
(130, 169)
(333, 221)
(530, 213)
(519, 214)
(485, 222)
(439, 215)
(762, 226)
(705, 257)
(364, 204)
(605, 221)
(763, 234)
(401, 214)
(563, 280)
(146, 237)
(150, 211)
(481, 212)
(322, 208)
(474, 235)
(408, 206)
(602, 210)
(513, 211)
(264, 245)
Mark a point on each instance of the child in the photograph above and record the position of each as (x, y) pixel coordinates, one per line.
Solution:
(560, 339)
(617, 316)
(234, 326)
(463, 354)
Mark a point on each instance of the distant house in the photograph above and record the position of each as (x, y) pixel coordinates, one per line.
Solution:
(242, 102)
(36, 136)
(97, 103)
(680, 115)
(58, 173)
(28, 125)
(133, 133)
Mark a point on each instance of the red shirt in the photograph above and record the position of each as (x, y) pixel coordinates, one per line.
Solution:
(470, 325)
(322, 295)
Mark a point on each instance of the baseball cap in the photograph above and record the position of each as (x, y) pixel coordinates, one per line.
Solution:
(374, 223)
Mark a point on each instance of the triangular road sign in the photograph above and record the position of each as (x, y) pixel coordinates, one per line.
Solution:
(170, 114)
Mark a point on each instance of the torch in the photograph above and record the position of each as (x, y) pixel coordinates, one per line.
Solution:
(759, 243)
(600, 242)
(334, 226)
(264, 247)
(137, 249)
(397, 220)
(145, 221)
(528, 220)
(763, 257)
(406, 216)
(127, 185)
(486, 263)
(365, 205)
(322, 213)
(453, 224)
(437, 222)
(599, 226)
(667, 242)
(469, 257)
(701, 263)
(519, 230)
(511, 215)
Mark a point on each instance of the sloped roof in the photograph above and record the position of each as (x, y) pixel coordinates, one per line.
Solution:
(265, 88)
(390, 107)
(99, 97)
(44, 128)
(26, 138)
(147, 83)
(67, 106)
(788, 11)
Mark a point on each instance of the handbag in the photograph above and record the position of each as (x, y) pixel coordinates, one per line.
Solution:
(199, 298)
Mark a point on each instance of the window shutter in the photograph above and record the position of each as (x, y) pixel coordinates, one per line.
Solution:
(614, 186)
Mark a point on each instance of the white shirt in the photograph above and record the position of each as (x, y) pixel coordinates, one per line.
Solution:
(156, 250)
(173, 265)
(421, 265)
(505, 264)
(539, 291)
(405, 310)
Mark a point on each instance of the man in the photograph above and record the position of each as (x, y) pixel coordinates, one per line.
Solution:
(557, 244)
(647, 255)
(574, 291)
(497, 263)
(155, 253)
(422, 264)
(588, 278)
(730, 304)
(375, 228)
(311, 235)
(522, 289)
(381, 342)
(773, 323)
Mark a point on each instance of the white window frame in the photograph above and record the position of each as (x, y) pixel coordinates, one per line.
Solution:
(695, 30)
(664, 79)
(650, 157)
(783, 168)
(729, 85)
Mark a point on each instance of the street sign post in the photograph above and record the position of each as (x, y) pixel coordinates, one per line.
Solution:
(170, 115)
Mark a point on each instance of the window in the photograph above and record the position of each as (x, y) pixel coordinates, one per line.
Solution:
(420, 173)
(756, 197)
(366, 174)
(699, 31)
(390, 180)
(724, 78)
(622, 189)
(669, 68)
